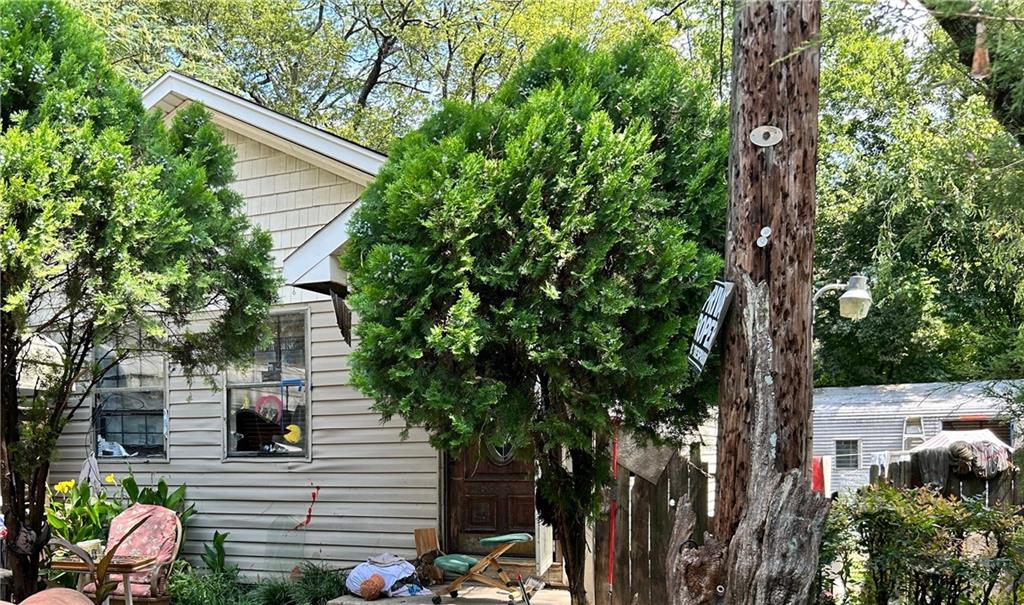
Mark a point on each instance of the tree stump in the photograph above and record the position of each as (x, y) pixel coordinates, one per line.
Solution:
(772, 557)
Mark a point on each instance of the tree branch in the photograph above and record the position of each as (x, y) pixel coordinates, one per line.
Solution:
(960, 25)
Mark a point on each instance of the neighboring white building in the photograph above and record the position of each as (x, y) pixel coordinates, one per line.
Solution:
(855, 424)
(851, 425)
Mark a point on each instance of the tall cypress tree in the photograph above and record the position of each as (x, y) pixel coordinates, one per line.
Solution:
(529, 270)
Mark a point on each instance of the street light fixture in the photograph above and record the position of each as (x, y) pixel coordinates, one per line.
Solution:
(855, 302)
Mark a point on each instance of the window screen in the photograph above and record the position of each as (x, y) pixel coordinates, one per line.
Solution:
(847, 454)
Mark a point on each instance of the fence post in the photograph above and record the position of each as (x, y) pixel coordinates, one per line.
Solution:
(601, 533)
(639, 548)
(698, 491)
(678, 480)
(661, 530)
(914, 478)
(620, 593)
(1000, 489)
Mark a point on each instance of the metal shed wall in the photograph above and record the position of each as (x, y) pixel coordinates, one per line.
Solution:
(875, 416)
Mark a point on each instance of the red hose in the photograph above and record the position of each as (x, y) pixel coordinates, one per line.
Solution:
(614, 509)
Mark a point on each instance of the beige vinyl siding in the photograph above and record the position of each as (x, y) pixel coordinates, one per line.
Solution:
(288, 197)
(707, 437)
(375, 488)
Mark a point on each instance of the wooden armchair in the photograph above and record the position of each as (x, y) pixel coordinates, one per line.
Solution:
(158, 538)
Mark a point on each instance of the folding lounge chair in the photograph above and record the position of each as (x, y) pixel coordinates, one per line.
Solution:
(472, 569)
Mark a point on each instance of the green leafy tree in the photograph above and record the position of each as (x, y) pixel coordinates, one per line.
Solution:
(985, 37)
(367, 70)
(918, 189)
(528, 269)
(114, 230)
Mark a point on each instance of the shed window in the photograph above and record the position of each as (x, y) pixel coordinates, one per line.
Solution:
(847, 454)
(913, 432)
(130, 404)
(267, 402)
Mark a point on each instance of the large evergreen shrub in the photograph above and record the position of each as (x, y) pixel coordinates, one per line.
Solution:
(524, 267)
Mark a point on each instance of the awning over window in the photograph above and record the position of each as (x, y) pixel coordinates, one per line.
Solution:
(314, 264)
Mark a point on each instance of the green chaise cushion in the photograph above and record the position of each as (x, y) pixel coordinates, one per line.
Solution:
(459, 564)
(493, 541)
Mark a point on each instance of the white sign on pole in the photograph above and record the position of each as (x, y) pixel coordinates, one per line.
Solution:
(708, 324)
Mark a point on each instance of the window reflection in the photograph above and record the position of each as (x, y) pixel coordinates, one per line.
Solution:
(267, 401)
(129, 413)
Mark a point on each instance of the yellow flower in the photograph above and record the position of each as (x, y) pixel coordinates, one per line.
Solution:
(65, 486)
(110, 478)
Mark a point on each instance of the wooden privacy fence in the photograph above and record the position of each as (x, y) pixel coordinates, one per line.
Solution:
(1004, 488)
(643, 527)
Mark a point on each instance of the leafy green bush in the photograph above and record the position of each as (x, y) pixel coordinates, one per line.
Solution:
(188, 587)
(76, 514)
(273, 592)
(838, 560)
(161, 495)
(214, 556)
(81, 511)
(919, 548)
(318, 584)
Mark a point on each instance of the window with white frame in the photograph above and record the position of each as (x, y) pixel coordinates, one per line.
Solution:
(913, 432)
(130, 401)
(847, 454)
(268, 402)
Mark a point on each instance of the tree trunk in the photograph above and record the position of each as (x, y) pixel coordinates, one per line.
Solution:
(768, 523)
(955, 20)
(24, 576)
(563, 500)
(572, 535)
(22, 508)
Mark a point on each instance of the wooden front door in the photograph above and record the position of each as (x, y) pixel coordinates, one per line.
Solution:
(488, 494)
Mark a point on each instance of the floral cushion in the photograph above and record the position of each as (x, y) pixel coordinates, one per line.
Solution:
(156, 537)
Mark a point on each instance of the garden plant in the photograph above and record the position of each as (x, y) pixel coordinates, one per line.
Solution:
(912, 546)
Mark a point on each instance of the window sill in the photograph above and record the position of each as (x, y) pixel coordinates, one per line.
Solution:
(131, 460)
(266, 457)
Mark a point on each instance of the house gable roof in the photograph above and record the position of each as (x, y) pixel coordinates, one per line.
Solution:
(933, 399)
(318, 146)
(313, 265)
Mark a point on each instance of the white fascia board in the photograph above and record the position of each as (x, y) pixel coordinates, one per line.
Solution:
(326, 271)
(305, 261)
(363, 159)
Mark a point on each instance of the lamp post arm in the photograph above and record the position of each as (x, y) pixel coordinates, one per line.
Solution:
(824, 289)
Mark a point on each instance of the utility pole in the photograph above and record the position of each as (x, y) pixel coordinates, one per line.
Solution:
(768, 522)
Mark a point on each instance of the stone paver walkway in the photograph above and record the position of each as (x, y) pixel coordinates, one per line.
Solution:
(468, 595)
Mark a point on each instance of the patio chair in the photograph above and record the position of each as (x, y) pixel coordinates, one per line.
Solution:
(471, 569)
(158, 537)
